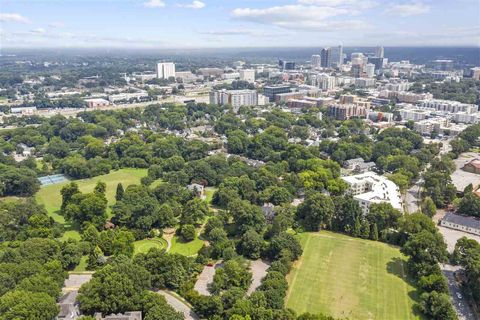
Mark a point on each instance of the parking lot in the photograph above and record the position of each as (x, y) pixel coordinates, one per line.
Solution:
(461, 178)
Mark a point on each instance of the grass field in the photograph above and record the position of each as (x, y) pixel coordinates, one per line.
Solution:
(142, 246)
(185, 248)
(348, 277)
(51, 198)
(209, 191)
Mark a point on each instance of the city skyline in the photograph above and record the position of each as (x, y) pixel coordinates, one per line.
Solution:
(216, 24)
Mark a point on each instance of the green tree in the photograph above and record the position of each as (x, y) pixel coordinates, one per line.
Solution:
(19, 304)
(251, 244)
(188, 232)
(316, 212)
(119, 193)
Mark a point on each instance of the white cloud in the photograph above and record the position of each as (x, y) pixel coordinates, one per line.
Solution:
(196, 4)
(301, 17)
(242, 32)
(408, 9)
(56, 25)
(13, 17)
(154, 4)
(365, 4)
(38, 31)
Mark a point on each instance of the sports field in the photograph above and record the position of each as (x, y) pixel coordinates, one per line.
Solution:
(345, 277)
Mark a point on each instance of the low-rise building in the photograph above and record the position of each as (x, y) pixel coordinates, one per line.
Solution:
(369, 187)
(472, 166)
(132, 315)
(96, 102)
(462, 223)
(346, 111)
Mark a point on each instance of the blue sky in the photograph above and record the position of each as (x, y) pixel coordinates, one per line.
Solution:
(237, 23)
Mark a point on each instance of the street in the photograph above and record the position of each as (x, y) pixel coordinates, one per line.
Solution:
(461, 306)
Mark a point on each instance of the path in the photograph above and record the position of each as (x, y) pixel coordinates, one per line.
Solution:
(168, 235)
(259, 271)
(179, 305)
(459, 302)
(206, 278)
(412, 197)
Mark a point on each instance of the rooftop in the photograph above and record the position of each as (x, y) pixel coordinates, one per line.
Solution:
(466, 221)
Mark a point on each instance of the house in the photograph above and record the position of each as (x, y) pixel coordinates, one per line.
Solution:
(461, 223)
(131, 315)
(359, 165)
(198, 189)
(472, 166)
(369, 187)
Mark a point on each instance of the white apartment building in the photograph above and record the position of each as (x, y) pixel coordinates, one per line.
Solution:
(316, 58)
(325, 82)
(231, 76)
(370, 70)
(235, 98)
(413, 114)
(165, 70)
(448, 106)
(440, 125)
(369, 187)
(364, 82)
(411, 97)
(247, 75)
(463, 117)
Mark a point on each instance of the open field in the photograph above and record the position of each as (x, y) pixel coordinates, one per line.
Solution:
(51, 198)
(349, 277)
(142, 246)
(185, 248)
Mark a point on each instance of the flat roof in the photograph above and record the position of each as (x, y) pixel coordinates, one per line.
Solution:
(466, 221)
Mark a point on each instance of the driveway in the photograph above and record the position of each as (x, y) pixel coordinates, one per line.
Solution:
(412, 197)
(259, 271)
(206, 278)
(461, 306)
(179, 305)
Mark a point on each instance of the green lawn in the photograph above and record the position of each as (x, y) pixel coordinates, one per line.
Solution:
(185, 248)
(51, 198)
(209, 191)
(82, 266)
(348, 277)
(142, 246)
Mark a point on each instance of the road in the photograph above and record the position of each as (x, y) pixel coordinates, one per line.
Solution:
(461, 306)
(413, 197)
(179, 306)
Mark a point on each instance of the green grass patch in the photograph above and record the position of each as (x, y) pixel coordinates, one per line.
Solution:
(82, 266)
(209, 191)
(351, 278)
(142, 246)
(185, 248)
(51, 198)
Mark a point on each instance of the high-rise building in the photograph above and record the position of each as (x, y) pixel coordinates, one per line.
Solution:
(165, 70)
(235, 98)
(326, 58)
(443, 65)
(316, 60)
(247, 75)
(271, 91)
(357, 70)
(286, 65)
(337, 56)
(326, 82)
(370, 70)
(378, 62)
(379, 52)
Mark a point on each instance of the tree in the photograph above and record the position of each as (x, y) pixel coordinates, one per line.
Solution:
(188, 232)
(232, 274)
(251, 244)
(428, 207)
(316, 212)
(437, 305)
(246, 216)
(19, 304)
(374, 232)
(365, 230)
(194, 211)
(67, 192)
(281, 242)
(433, 282)
(119, 193)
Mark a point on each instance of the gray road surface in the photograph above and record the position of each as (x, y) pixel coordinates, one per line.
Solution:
(205, 279)
(259, 271)
(461, 306)
(179, 306)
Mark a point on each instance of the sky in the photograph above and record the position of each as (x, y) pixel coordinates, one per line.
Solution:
(237, 23)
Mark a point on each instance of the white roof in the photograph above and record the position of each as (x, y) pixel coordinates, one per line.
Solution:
(382, 189)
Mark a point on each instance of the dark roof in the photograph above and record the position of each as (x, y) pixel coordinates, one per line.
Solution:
(470, 222)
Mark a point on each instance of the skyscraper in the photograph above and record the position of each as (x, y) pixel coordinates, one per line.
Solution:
(316, 60)
(326, 58)
(165, 70)
(337, 56)
(379, 52)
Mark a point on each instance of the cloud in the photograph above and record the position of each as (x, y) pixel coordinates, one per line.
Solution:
(408, 9)
(194, 5)
(13, 17)
(242, 32)
(154, 4)
(366, 4)
(56, 25)
(301, 17)
(38, 31)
